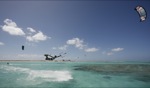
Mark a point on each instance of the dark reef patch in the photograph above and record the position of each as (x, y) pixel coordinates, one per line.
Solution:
(140, 72)
(107, 77)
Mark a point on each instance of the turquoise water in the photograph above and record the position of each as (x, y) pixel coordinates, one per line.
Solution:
(74, 74)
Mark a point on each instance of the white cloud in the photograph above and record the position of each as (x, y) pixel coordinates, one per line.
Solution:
(107, 53)
(32, 35)
(63, 47)
(31, 29)
(1, 43)
(23, 57)
(91, 50)
(54, 48)
(77, 42)
(117, 49)
(9, 22)
(113, 51)
(110, 53)
(12, 28)
(37, 37)
(29, 56)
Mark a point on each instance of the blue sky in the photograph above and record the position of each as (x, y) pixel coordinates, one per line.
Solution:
(86, 30)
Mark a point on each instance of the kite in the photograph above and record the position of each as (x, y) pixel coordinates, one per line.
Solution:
(22, 47)
(142, 13)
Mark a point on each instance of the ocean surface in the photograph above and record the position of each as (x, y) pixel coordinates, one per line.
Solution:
(74, 74)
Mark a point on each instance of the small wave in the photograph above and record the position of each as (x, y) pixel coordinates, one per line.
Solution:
(48, 75)
(14, 69)
(40, 75)
(14, 64)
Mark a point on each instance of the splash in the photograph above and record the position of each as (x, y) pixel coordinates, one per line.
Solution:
(14, 69)
(39, 76)
(49, 75)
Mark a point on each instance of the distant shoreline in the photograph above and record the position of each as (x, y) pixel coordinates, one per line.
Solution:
(21, 60)
(34, 61)
(74, 61)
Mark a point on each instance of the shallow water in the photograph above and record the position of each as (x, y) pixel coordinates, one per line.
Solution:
(74, 74)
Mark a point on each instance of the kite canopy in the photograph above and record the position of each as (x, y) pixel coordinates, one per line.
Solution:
(142, 13)
(22, 47)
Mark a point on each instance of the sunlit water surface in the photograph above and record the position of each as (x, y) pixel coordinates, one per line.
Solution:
(74, 74)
